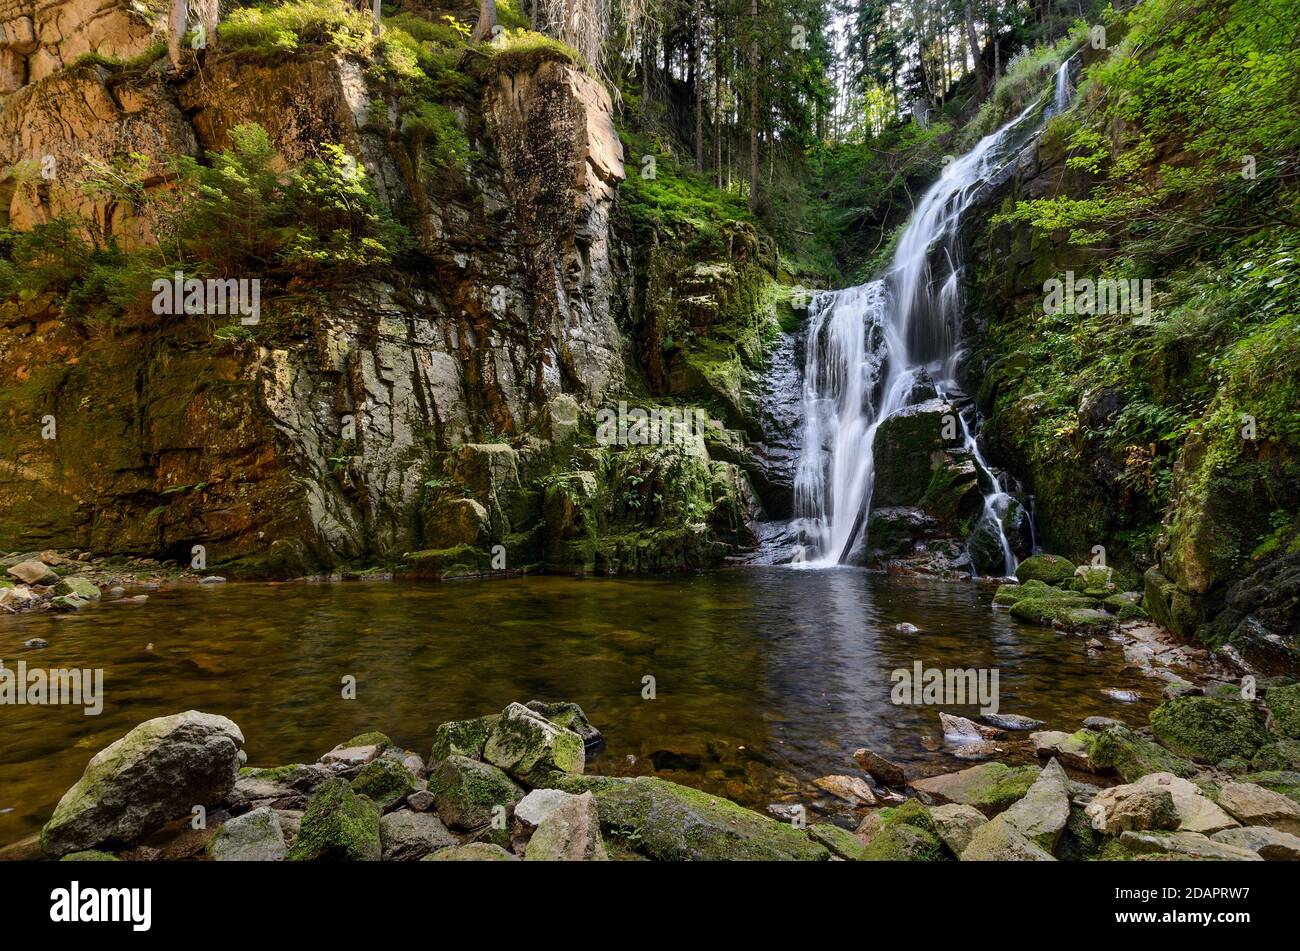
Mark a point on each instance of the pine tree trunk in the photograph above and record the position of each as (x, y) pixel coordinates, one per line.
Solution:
(753, 106)
(177, 20)
(973, 40)
(699, 87)
(487, 19)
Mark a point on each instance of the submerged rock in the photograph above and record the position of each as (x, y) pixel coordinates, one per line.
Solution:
(883, 771)
(159, 771)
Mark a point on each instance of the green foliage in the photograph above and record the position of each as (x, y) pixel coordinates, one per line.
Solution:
(285, 28)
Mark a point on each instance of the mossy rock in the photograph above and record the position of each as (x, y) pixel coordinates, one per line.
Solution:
(529, 747)
(370, 738)
(1049, 569)
(338, 825)
(1208, 729)
(840, 841)
(1009, 594)
(1050, 605)
(461, 738)
(90, 855)
(1284, 705)
(469, 796)
(903, 842)
(1282, 755)
(667, 822)
(1132, 756)
(1093, 580)
(1169, 606)
(989, 787)
(386, 782)
(78, 587)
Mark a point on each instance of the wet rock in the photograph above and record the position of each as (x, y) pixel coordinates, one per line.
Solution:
(468, 794)
(33, 572)
(905, 833)
(529, 747)
(1254, 805)
(906, 628)
(1133, 807)
(957, 728)
(36, 643)
(462, 737)
(407, 836)
(989, 787)
(955, 824)
(1269, 844)
(568, 832)
(338, 825)
(18, 598)
(1098, 724)
(668, 822)
(1011, 721)
(1049, 569)
(472, 852)
(253, 837)
(985, 547)
(570, 717)
(159, 771)
(1073, 749)
(385, 782)
(1209, 730)
(1132, 755)
(66, 604)
(1094, 580)
(851, 789)
(905, 446)
(883, 771)
(1191, 844)
(78, 587)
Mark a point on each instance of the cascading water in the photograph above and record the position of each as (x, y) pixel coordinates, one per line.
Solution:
(872, 349)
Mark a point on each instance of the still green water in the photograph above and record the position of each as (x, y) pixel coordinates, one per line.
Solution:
(765, 678)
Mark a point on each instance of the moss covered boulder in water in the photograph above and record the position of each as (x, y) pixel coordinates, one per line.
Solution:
(385, 782)
(338, 825)
(529, 747)
(1208, 729)
(1049, 569)
(905, 833)
(668, 822)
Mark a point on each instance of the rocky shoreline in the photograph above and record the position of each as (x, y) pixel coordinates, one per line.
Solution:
(1214, 776)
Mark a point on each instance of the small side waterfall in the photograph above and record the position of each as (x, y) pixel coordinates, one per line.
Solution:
(1063, 90)
(891, 343)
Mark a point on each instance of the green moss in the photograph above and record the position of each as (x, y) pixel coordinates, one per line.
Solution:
(1049, 569)
(338, 825)
(1133, 756)
(462, 737)
(840, 841)
(1283, 704)
(385, 782)
(1206, 729)
(903, 842)
(90, 855)
(370, 738)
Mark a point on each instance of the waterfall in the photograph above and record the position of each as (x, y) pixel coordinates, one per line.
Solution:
(888, 344)
(1064, 86)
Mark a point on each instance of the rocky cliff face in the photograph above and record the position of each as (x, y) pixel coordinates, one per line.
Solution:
(1214, 560)
(434, 410)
